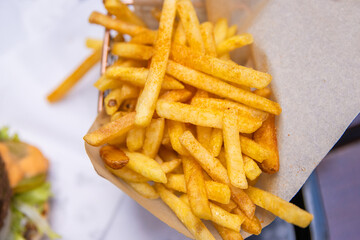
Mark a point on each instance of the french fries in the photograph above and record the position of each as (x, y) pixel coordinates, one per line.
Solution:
(279, 207)
(234, 161)
(184, 213)
(174, 99)
(70, 81)
(220, 88)
(147, 100)
(195, 188)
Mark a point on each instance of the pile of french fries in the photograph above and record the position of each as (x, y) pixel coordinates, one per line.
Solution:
(187, 124)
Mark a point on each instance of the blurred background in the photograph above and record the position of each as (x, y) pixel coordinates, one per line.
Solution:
(41, 42)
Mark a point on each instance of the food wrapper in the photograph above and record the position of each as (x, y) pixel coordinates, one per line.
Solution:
(311, 49)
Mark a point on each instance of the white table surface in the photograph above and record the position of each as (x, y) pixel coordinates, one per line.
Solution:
(41, 42)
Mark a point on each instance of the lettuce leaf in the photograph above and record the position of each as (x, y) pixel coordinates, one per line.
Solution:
(5, 135)
(37, 196)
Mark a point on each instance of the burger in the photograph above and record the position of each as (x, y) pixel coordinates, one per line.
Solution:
(24, 190)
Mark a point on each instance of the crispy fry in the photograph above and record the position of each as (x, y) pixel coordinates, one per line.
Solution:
(223, 104)
(119, 25)
(127, 174)
(117, 115)
(234, 42)
(70, 81)
(147, 101)
(145, 166)
(114, 99)
(167, 154)
(231, 31)
(195, 188)
(252, 170)
(137, 77)
(184, 213)
(144, 189)
(159, 161)
(111, 130)
(243, 201)
(266, 137)
(113, 157)
(217, 192)
(210, 164)
(135, 139)
(122, 12)
(180, 36)
(207, 34)
(181, 95)
(219, 215)
(171, 165)
(229, 206)
(128, 105)
(263, 92)
(203, 136)
(166, 138)
(279, 207)
(216, 142)
(254, 150)
(144, 38)
(220, 30)
(105, 83)
(176, 129)
(228, 234)
(228, 71)
(234, 161)
(251, 225)
(191, 25)
(204, 117)
(94, 43)
(132, 50)
(153, 137)
(220, 88)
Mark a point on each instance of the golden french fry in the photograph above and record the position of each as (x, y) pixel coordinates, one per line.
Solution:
(220, 30)
(75, 76)
(166, 138)
(105, 83)
(251, 225)
(94, 43)
(147, 100)
(207, 34)
(127, 174)
(132, 50)
(159, 161)
(144, 189)
(229, 206)
(180, 36)
(180, 95)
(231, 31)
(135, 139)
(145, 166)
(122, 12)
(119, 25)
(171, 165)
(217, 192)
(222, 157)
(266, 137)
(175, 130)
(184, 213)
(144, 38)
(191, 25)
(137, 77)
(130, 63)
(234, 161)
(263, 92)
(234, 42)
(216, 142)
(219, 215)
(216, 67)
(228, 234)
(153, 137)
(254, 149)
(114, 99)
(195, 188)
(204, 117)
(117, 115)
(223, 104)
(252, 170)
(210, 164)
(220, 88)
(111, 130)
(156, 13)
(279, 207)
(167, 154)
(243, 201)
(128, 105)
(113, 157)
(203, 136)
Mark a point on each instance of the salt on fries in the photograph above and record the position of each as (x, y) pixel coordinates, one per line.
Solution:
(187, 124)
